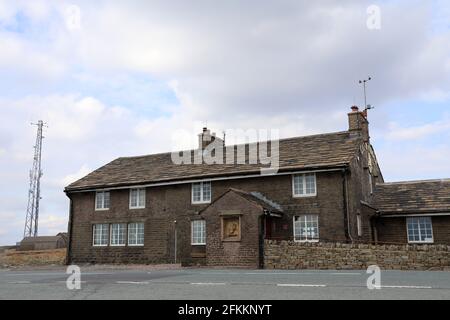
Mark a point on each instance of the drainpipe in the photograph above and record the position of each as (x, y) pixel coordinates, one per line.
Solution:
(175, 235)
(69, 244)
(348, 234)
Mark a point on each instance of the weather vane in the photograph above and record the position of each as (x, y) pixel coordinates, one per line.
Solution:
(364, 82)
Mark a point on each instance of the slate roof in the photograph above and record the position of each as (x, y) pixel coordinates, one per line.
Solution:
(309, 152)
(431, 196)
(254, 197)
(260, 200)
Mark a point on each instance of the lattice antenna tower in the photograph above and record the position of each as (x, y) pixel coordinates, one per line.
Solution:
(34, 192)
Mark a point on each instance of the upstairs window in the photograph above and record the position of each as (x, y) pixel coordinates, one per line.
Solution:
(137, 198)
(100, 235)
(306, 228)
(420, 230)
(198, 232)
(201, 192)
(102, 200)
(304, 185)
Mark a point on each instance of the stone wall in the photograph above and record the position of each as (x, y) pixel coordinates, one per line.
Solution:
(293, 255)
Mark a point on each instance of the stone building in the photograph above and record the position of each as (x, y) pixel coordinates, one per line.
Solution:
(328, 188)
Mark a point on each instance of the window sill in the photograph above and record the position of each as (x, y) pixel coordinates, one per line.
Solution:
(307, 241)
(421, 242)
(102, 209)
(200, 203)
(136, 208)
(136, 245)
(117, 245)
(100, 245)
(304, 196)
(198, 244)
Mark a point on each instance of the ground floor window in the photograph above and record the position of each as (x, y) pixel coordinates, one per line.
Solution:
(198, 231)
(136, 234)
(101, 232)
(420, 230)
(118, 233)
(306, 228)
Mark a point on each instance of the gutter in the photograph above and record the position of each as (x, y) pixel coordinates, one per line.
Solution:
(405, 215)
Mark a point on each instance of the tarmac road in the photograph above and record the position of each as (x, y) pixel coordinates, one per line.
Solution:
(206, 284)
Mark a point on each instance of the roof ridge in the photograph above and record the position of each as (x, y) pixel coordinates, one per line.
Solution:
(241, 144)
(413, 182)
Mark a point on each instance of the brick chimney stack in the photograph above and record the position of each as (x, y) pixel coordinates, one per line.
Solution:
(358, 123)
(206, 137)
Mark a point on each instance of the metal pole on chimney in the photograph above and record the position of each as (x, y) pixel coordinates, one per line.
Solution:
(364, 82)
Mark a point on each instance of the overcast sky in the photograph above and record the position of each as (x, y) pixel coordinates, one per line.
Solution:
(119, 78)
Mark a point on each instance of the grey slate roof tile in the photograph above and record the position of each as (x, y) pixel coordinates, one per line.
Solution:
(413, 197)
(315, 151)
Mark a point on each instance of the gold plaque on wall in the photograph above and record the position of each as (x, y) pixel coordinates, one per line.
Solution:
(231, 228)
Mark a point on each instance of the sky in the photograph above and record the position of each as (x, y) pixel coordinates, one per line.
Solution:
(123, 78)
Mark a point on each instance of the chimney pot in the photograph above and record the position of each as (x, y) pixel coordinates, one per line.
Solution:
(355, 108)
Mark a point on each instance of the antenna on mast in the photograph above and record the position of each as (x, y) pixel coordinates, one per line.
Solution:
(364, 82)
(34, 192)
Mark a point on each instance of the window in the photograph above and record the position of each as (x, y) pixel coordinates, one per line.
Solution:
(201, 192)
(137, 198)
(420, 230)
(304, 185)
(118, 234)
(306, 228)
(100, 235)
(359, 225)
(102, 200)
(198, 230)
(370, 183)
(136, 234)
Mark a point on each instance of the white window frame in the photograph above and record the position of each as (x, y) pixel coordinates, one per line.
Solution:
(359, 225)
(138, 198)
(203, 222)
(111, 235)
(307, 240)
(420, 241)
(102, 208)
(136, 237)
(303, 180)
(93, 235)
(202, 201)
(370, 182)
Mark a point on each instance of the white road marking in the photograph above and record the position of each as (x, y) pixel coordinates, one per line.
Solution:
(406, 287)
(301, 285)
(55, 274)
(19, 282)
(345, 274)
(208, 283)
(132, 282)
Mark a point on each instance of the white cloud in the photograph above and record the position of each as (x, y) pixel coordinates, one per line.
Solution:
(52, 224)
(399, 133)
(70, 178)
(401, 163)
(288, 65)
